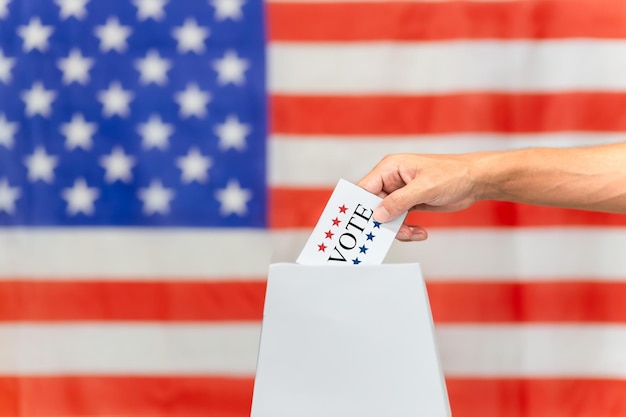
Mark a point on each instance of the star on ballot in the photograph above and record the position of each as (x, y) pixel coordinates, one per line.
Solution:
(356, 261)
(363, 249)
(343, 208)
(329, 234)
(370, 236)
(321, 247)
(336, 221)
(377, 224)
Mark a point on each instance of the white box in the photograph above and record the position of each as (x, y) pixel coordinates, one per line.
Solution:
(348, 341)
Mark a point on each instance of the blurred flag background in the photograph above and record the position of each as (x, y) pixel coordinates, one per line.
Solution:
(156, 156)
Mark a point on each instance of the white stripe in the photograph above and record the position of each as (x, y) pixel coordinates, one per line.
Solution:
(150, 349)
(446, 67)
(533, 351)
(133, 253)
(295, 160)
(525, 254)
(129, 348)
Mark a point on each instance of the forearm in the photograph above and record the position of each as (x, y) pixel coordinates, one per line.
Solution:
(592, 178)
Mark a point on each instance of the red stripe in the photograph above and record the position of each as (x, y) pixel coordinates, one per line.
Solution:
(451, 302)
(509, 302)
(228, 397)
(114, 300)
(301, 208)
(125, 396)
(422, 21)
(472, 112)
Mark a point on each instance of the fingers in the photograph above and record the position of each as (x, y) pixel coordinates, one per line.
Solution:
(411, 233)
(395, 204)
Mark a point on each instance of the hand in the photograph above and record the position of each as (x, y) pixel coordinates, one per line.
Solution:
(421, 182)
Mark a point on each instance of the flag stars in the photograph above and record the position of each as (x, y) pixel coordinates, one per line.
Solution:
(8, 196)
(155, 133)
(194, 166)
(156, 198)
(227, 9)
(80, 198)
(231, 69)
(112, 35)
(72, 8)
(150, 9)
(329, 235)
(35, 35)
(343, 208)
(153, 68)
(190, 37)
(363, 249)
(75, 67)
(370, 236)
(6, 65)
(356, 261)
(336, 221)
(38, 100)
(192, 101)
(78, 133)
(7, 132)
(40, 165)
(377, 224)
(321, 247)
(4, 10)
(233, 199)
(115, 100)
(117, 166)
(232, 134)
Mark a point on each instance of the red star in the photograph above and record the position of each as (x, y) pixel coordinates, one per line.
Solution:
(329, 235)
(322, 247)
(343, 208)
(336, 222)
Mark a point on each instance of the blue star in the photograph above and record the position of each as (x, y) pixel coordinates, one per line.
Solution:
(363, 249)
(377, 224)
(356, 261)
(370, 236)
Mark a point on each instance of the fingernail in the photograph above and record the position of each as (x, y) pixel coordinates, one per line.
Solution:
(381, 214)
(419, 236)
(402, 235)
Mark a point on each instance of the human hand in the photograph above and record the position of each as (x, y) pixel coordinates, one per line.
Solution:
(421, 182)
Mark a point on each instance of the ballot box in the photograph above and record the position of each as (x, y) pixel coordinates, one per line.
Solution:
(348, 341)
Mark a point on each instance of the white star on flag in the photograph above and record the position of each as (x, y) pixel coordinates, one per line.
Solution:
(75, 8)
(4, 11)
(231, 68)
(153, 68)
(232, 133)
(227, 9)
(156, 198)
(194, 166)
(80, 198)
(7, 131)
(38, 100)
(150, 9)
(75, 67)
(155, 133)
(6, 65)
(35, 35)
(117, 165)
(233, 199)
(40, 165)
(78, 132)
(8, 195)
(115, 100)
(112, 35)
(192, 101)
(190, 36)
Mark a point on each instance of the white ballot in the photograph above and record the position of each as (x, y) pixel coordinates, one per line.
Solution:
(348, 342)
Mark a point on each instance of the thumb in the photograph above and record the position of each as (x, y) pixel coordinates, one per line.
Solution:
(395, 204)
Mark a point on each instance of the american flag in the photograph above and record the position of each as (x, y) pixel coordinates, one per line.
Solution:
(156, 156)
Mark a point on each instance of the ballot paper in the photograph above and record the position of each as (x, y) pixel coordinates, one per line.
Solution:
(347, 233)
